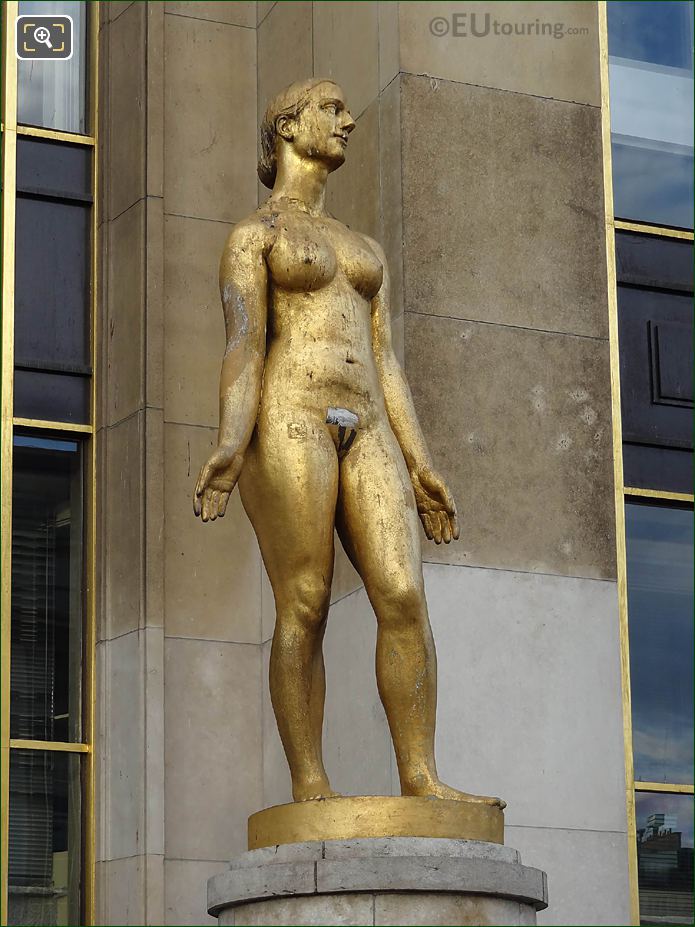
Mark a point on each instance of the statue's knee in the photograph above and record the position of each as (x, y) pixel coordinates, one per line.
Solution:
(404, 603)
(306, 601)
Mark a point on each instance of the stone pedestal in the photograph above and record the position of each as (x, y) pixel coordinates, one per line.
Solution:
(388, 880)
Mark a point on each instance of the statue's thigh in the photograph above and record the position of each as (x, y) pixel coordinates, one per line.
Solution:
(289, 486)
(377, 515)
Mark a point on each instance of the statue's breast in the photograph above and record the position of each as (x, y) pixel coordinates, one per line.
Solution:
(302, 258)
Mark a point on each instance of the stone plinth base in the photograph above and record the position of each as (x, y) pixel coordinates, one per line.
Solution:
(389, 881)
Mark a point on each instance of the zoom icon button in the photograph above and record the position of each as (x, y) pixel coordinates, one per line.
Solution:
(44, 38)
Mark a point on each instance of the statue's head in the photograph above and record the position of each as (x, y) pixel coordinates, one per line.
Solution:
(312, 117)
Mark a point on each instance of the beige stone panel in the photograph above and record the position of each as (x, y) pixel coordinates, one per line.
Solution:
(212, 571)
(346, 49)
(353, 190)
(263, 7)
(125, 322)
(116, 7)
(154, 305)
(564, 68)
(186, 890)
(213, 712)
(519, 424)
(126, 101)
(194, 332)
(573, 859)
(209, 119)
(389, 47)
(222, 11)
(550, 741)
(391, 190)
(123, 492)
(284, 49)
(357, 746)
(155, 99)
(503, 208)
(130, 891)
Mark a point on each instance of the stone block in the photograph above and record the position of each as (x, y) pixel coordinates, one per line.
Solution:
(346, 49)
(503, 208)
(127, 104)
(529, 704)
(194, 330)
(185, 892)
(212, 710)
(124, 328)
(576, 858)
(210, 130)
(220, 11)
(519, 423)
(285, 50)
(534, 62)
(213, 570)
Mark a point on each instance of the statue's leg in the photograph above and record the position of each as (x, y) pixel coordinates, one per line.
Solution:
(378, 525)
(289, 488)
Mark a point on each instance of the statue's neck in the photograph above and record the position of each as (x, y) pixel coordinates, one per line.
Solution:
(302, 180)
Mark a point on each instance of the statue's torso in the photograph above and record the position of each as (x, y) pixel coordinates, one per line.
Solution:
(322, 278)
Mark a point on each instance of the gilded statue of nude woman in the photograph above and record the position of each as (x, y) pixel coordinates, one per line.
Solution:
(317, 425)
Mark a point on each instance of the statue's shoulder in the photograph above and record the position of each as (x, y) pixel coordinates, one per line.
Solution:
(255, 231)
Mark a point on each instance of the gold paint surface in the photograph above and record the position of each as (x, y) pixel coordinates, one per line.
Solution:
(318, 427)
(350, 818)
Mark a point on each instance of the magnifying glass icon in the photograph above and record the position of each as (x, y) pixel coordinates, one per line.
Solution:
(42, 35)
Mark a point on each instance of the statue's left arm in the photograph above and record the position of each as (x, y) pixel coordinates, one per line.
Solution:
(434, 501)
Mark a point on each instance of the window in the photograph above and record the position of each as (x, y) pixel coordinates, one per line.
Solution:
(48, 462)
(650, 49)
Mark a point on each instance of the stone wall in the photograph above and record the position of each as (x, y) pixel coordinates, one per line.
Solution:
(477, 162)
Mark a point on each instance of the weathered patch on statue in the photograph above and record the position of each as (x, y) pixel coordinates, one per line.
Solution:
(343, 417)
(296, 430)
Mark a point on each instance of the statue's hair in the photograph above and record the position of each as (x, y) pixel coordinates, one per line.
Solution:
(290, 102)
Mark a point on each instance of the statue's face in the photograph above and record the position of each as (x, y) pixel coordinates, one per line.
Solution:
(321, 130)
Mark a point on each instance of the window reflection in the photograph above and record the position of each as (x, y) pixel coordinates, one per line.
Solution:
(660, 610)
(45, 843)
(651, 84)
(665, 857)
(46, 650)
(52, 94)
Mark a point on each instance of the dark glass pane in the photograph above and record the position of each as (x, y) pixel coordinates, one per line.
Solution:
(665, 857)
(669, 469)
(44, 846)
(53, 94)
(55, 397)
(53, 168)
(651, 84)
(52, 283)
(660, 618)
(46, 651)
(647, 260)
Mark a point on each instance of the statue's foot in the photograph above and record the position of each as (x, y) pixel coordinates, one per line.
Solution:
(313, 790)
(434, 788)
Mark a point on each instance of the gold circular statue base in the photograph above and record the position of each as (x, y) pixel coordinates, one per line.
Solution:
(351, 817)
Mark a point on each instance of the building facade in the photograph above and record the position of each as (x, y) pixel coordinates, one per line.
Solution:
(542, 311)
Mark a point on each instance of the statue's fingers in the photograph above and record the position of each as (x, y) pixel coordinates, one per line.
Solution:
(203, 478)
(427, 525)
(455, 527)
(436, 528)
(206, 505)
(197, 506)
(446, 527)
(215, 505)
(224, 499)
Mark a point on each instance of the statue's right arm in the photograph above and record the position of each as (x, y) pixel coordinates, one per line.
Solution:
(244, 292)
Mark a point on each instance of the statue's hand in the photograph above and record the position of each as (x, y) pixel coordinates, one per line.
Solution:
(217, 479)
(435, 506)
